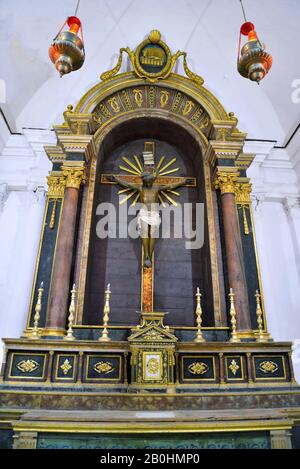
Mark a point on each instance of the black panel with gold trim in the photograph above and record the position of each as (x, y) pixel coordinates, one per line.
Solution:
(26, 366)
(102, 368)
(65, 367)
(269, 367)
(198, 368)
(235, 368)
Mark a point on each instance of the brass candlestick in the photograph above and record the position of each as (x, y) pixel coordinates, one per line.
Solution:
(38, 307)
(70, 335)
(198, 312)
(232, 312)
(106, 311)
(259, 315)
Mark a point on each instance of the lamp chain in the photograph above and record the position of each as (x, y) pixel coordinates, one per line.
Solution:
(77, 6)
(243, 9)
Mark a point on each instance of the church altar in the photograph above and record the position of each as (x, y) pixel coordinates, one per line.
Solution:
(144, 335)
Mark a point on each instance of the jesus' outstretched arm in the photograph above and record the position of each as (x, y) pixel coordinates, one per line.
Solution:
(123, 183)
(175, 185)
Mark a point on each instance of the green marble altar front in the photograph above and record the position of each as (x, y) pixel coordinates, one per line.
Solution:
(243, 440)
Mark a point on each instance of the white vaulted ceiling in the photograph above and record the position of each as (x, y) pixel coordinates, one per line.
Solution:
(207, 29)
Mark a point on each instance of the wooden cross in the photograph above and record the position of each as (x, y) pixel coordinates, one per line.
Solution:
(164, 178)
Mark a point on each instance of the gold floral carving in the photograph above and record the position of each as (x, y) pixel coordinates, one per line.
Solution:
(234, 367)
(75, 176)
(56, 186)
(242, 193)
(138, 97)
(188, 107)
(114, 104)
(164, 98)
(226, 182)
(66, 367)
(268, 367)
(27, 366)
(153, 335)
(243, 201)
(103, 368)
(198, 368)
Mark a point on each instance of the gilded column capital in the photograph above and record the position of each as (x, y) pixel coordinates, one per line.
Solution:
(226, 181)
(74, 175)
(56, 184)
(243, 193)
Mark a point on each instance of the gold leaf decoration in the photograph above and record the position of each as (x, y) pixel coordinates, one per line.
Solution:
(153, 365)
(268, 367)
(153, 335)
(198, 368)
(66, 367)
(234, 367)
(28, 366)
(103, 368)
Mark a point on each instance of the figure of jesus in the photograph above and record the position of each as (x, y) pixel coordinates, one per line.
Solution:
(148, 218)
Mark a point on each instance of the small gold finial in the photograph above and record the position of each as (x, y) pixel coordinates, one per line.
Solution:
(106, 311)
(232, 312)
(70, 335)
(38, 308)
(259, 314)
(199, 336)
(154, 36)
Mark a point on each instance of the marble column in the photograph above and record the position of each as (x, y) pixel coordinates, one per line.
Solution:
(225, 181)
(60, 283)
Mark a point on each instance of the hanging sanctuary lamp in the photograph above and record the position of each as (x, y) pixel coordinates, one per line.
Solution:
(67, 49)
(253, 62)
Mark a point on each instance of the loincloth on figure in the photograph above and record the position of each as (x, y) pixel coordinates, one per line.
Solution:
(148, 218)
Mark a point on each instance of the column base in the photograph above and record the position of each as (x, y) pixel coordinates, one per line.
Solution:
(253, 335)
(53, 332)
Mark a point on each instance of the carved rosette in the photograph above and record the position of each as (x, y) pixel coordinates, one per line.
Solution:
(75, 176)
(226, 181)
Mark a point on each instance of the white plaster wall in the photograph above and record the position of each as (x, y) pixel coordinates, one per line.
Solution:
(23, 170)
(276, 210)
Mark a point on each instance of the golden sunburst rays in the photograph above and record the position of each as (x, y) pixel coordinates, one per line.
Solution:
(136, 168)
(164, 171)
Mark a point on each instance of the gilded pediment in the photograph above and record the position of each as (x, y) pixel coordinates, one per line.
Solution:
(152, 333)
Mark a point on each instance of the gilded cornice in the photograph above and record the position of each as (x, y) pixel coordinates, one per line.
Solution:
(75, 174)
(219, 149)
(244, 160)
(55, 153)
(83, 144)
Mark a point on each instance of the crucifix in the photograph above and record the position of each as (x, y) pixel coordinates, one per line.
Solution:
(151, 184)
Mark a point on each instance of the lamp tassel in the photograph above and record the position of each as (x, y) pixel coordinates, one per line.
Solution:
(106, 311)
(199, 336)
(38, 307)
(232, 312)
(70, 335)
